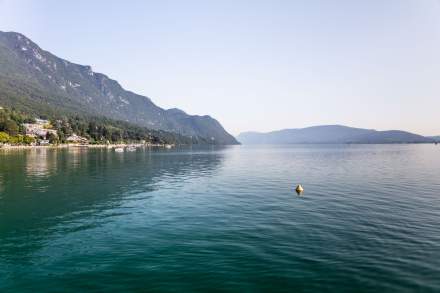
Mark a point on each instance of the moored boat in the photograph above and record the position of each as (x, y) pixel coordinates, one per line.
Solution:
(131, 148)
(119, 150)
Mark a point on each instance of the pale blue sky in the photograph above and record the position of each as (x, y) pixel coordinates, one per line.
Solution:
(256, 65)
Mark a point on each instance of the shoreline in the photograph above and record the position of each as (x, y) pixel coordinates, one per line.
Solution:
(92, 146)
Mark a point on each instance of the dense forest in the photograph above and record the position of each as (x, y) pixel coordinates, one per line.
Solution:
(97, 130)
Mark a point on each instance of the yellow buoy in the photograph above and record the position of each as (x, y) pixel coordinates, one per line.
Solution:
(299, 189)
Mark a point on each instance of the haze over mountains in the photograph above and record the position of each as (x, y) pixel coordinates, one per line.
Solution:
(39, 82)
(332, 134)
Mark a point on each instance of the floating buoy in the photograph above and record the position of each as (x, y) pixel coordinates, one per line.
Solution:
(299, 189)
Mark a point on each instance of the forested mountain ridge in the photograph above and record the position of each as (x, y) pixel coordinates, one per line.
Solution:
(36, 81)
(331, 134)
(15, 129)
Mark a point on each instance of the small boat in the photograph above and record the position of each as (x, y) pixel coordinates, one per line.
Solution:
(168, 146)
(131, 149)
(119, 150)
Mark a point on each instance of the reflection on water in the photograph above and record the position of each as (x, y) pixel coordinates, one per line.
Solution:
(44, 188)
(76, 157)
(39, 165)
(221, 218)
(1, 185)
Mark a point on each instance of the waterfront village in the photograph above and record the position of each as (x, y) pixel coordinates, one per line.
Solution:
(18, 130)
(41, 133)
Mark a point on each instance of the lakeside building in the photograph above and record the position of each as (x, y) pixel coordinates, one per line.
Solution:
(77, 139)
(39, 129)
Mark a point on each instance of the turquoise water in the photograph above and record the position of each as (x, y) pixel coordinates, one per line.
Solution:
(221, 219)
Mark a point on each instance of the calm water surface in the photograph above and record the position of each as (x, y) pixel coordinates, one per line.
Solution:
(221, 219)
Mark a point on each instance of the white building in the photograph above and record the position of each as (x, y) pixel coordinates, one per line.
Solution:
(76, 139)
(38, 129)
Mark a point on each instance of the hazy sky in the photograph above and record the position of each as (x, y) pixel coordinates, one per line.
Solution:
(256, 65)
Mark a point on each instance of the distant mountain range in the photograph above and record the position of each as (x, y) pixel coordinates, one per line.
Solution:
(332, 134)
(36, 81)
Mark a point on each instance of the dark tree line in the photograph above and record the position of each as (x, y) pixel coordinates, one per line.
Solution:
(96, 129)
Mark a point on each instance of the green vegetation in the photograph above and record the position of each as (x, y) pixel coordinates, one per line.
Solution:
(10, 127)
(36, 82)
(18, 139)
(97, 130)
(4, 137)
(102, 130)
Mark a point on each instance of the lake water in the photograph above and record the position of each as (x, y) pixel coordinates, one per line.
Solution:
(221, 219)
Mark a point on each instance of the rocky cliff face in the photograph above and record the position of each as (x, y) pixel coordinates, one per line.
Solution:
(34, 78)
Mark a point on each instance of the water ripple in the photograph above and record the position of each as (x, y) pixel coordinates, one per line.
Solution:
(224, 219)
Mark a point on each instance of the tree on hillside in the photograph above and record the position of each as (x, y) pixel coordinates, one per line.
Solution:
(53, 139)
(9, 126)
(4, 137)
